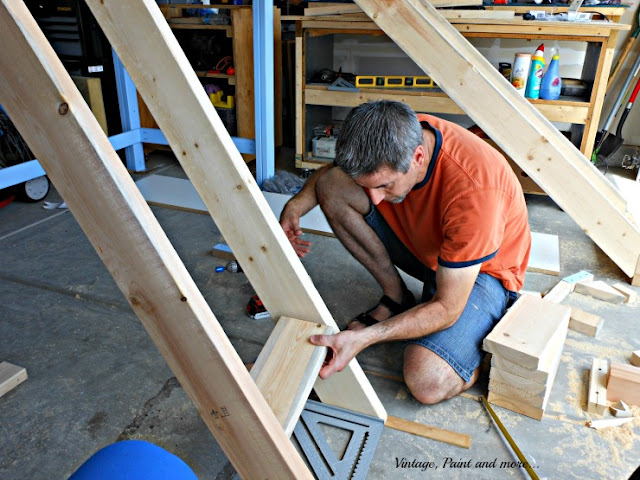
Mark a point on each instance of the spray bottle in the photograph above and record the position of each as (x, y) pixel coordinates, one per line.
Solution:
(551, 81)
(535, 74)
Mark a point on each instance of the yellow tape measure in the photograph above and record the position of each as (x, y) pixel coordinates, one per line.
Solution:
(512, 443)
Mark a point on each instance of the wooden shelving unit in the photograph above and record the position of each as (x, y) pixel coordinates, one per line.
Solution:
(314, 50)
(240, 31)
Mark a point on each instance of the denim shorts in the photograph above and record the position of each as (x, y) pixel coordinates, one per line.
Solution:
(461, 344)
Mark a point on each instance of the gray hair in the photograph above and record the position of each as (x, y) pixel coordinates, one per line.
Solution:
(376, 135)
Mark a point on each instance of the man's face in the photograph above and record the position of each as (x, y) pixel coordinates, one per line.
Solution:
(387, 184)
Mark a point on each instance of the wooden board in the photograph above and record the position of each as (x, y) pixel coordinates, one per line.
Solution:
(526, 332)
(515, 406)
(623, 383)
(510, 120)
(179, 193)
(545, 254)
(155, 61)
(515, 393)
(51, 115)
(11, 376)
(288, 366)
(427, 431)
(600, 290)
(559, 292)
(630, 294)
(523, 383)
(597, 394)
(585, 322)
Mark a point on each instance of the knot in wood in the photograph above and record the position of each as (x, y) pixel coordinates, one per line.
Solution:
(63, 108)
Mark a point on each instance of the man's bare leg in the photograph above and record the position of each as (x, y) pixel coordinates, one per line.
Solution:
(429, 378)
(345, 204)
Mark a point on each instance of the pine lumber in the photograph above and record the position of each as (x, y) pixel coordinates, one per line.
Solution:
(544, 375)
(597, 395)
(627, 291)
(585, 322)
(11, 376)
(623, 383)
(48, 110)
(600, 290)
(527, 330)
(513, 123)
(559, 292)
(427, 431)
(515, 393)
(148, 49)
(288, 366)
(515, 406)
(635, 358)
(522, 383)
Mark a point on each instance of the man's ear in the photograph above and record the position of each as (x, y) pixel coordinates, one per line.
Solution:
(419, 156)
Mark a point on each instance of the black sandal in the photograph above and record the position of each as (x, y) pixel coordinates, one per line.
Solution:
(408, 301)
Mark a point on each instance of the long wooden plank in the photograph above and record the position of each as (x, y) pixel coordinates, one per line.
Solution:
(527, 330)
(152, 56)
(510, 120)
(51, 115)
(287, 367)
(427, 431)
(11, 376)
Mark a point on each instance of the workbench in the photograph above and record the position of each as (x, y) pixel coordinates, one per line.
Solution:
(314, 51)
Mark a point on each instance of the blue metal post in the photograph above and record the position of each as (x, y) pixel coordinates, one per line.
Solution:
(129, 114)
(264, 88)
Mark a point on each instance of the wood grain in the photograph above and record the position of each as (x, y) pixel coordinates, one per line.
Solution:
(434, 433)
(288, 366)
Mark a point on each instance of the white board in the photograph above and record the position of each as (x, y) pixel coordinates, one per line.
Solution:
(179, 193)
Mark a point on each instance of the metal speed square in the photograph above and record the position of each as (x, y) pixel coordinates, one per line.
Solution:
(364, 436)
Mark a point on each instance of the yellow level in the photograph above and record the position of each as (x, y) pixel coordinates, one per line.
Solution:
(394, 81)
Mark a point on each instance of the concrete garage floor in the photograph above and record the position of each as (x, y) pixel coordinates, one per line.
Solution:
(95, 377)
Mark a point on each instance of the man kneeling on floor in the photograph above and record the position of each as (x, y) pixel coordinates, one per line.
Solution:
(429, 197)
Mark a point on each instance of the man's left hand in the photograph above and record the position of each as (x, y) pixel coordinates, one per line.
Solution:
(342, 347)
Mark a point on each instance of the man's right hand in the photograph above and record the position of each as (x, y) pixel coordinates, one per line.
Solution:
(290, 223)
(299, 205)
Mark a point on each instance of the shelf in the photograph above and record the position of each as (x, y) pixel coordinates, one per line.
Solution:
(230, 78)
(569, 109)
(228, 29)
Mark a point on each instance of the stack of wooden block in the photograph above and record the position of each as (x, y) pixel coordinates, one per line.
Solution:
(526, 347)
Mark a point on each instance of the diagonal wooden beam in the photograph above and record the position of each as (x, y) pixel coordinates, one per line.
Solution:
(287, 366)
(52, 116)
(512, 122)
(166, 81)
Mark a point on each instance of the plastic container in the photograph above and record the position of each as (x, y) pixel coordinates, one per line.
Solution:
(551, 81)
(520, 72)
(535, 74)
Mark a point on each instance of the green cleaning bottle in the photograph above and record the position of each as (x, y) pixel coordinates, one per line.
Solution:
(551, 81)
(535, 74)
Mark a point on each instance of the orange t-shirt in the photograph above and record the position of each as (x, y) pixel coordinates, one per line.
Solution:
(469, 209)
